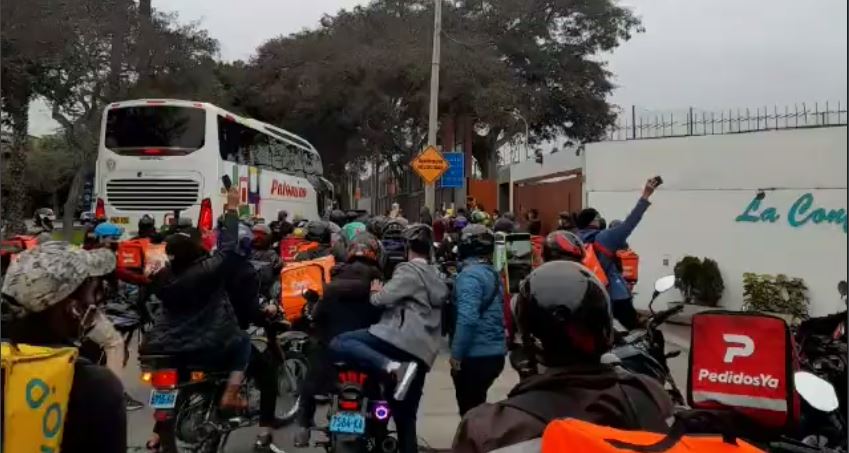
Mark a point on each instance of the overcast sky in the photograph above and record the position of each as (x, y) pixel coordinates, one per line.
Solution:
(712, 54)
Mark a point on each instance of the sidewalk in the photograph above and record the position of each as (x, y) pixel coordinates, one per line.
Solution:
(438, 417)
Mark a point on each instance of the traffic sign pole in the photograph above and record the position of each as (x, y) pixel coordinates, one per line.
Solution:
(430, 189)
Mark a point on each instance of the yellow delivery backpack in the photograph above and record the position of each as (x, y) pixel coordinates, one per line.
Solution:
(36, 384)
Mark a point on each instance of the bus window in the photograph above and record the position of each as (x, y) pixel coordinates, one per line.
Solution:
(171, 130)
(228, 139)
(293, 156)
(261, 150)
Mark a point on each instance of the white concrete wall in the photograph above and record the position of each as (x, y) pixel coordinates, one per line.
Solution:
(709, 182)
(563, 160)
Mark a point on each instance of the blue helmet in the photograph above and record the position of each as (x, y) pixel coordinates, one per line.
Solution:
(108, 230)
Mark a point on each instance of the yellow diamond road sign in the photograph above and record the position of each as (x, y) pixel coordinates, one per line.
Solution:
(430, 164)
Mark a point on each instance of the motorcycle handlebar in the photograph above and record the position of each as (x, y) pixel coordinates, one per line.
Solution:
(664, 315)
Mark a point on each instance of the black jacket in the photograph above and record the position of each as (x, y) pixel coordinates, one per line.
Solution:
(598, 394)
(196, 314)
(268, 266)
(243, 291)
(346, 303)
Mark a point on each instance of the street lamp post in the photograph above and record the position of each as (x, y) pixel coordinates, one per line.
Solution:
(518, 115)
(430, 189)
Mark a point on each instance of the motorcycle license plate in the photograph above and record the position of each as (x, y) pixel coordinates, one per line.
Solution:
(163, 399)
(348, 423)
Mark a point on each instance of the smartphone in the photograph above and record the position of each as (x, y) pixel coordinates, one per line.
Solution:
(658, 181)
(228, 183)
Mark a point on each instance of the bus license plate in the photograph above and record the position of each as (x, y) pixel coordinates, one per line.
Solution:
(348, 423)
(120, 220)
(163, 399)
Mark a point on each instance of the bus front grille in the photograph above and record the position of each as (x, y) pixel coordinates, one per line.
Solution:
(152, 194)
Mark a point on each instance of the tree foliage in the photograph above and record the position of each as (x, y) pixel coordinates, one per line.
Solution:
(107, 50)
(359, 84)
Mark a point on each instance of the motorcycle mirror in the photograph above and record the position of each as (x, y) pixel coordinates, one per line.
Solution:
(818, 392)
(664, 284)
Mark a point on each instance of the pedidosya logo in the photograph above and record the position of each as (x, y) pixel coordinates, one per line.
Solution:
(738, 346)
(731, 377)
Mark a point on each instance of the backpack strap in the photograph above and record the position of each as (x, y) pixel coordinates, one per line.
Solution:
(603, 250)
(488, 301)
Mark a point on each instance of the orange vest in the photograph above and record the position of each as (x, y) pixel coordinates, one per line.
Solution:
(570, 435)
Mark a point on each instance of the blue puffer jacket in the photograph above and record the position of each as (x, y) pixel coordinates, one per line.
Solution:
(616, 239)
(478, 335)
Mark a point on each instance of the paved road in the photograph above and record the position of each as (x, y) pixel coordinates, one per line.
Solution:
(437, 417)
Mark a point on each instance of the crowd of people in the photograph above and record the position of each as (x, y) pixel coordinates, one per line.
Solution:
(382, 310)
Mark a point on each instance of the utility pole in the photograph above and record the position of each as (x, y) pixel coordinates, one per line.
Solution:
(433, 122)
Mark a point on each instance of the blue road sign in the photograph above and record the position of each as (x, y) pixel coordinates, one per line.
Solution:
(453, 178)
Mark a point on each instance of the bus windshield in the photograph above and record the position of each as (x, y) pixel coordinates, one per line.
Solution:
(160, 130)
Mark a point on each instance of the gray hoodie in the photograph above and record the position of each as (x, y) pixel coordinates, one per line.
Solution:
(412, 301)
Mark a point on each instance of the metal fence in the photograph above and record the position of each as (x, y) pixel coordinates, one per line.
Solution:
(641, 124)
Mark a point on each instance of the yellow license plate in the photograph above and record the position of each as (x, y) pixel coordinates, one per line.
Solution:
(120, 220)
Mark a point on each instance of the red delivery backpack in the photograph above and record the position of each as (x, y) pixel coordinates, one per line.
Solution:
(744, 361)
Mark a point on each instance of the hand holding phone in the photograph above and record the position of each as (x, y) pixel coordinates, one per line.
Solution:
(650, 187)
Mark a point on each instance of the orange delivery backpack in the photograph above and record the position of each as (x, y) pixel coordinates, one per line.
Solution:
(576, 436)
(131, 253)
(295, 278)
(629, 263)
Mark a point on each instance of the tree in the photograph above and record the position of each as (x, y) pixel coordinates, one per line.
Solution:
(358, 85)
(96, 66)
(28, 39)
(50, 168)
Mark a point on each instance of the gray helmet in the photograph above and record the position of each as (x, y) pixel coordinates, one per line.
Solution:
(476, 240)
(564, 306)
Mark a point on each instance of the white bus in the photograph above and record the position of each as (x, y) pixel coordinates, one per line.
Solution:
(167, 158)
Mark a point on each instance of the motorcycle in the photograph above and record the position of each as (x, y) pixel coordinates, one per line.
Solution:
(358, 416)
(185, 396)
(643, 350)
(822, 423)
(822, 347)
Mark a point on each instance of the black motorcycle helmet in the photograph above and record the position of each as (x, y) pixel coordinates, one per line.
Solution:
(563, 245)
(375, 226)
(338, 217)
(419, 238)
(563, 313)
(147, 226)
(394, 228)
(318, 231)
(476, 240)
(365, 247)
